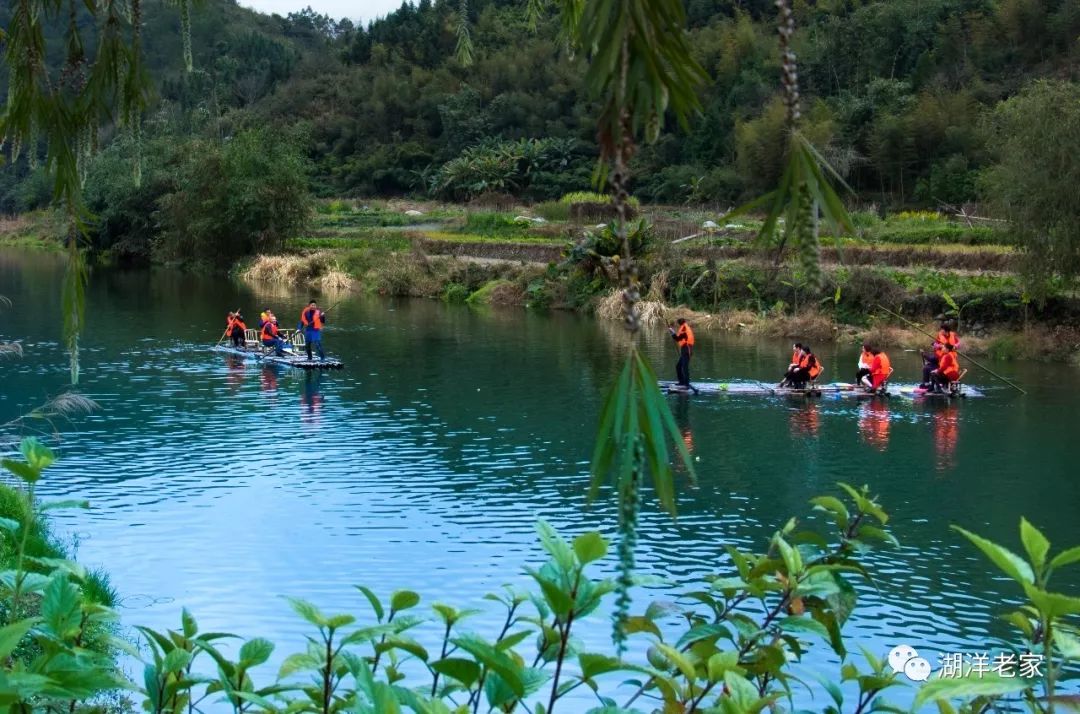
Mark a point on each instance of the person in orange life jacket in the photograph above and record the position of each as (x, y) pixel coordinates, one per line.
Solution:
(866, 361)
(237, 329)
(269, 336)
(311, 322)
(684, 339)
(879, 369)
(796, 355)
(809, 368)
(947, 336)
(948, 369)
(930, 363)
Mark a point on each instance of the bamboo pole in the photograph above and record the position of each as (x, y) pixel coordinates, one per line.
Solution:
(958, 352)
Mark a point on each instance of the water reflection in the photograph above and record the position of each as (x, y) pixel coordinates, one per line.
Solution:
(946, 432)
(311, 398)
(874, 421)
(234, 378)
(268, 379)
(805, 420)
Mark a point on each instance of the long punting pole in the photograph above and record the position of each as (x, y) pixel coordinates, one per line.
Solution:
(967, 357)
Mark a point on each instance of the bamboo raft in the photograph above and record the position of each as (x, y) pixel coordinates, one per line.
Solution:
(294, 353)
(832, 389)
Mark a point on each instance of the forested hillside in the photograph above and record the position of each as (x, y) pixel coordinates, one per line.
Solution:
(895, 90)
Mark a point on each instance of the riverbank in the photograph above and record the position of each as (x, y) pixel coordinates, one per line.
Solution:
(922, 265)
(557, 255)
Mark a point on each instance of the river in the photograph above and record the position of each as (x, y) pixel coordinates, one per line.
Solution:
(223, 486)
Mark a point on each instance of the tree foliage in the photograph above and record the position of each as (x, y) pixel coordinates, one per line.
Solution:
(1036, 138)
(233, 199)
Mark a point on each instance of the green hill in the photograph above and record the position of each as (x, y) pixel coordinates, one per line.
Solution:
(894, 91)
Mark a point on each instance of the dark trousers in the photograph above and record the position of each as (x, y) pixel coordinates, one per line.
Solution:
(798, 376)
(682, 367)
(312, 338)
(863, 372)
(238, 338)
(278, 344)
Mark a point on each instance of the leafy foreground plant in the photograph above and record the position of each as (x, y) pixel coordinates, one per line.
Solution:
(729, 645)
(732, 644)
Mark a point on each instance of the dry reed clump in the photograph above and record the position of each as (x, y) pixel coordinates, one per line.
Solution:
(336, 279)
(506, 293)
(287, 269)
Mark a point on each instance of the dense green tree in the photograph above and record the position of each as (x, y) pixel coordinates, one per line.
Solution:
(1036, 138)
(235, 198)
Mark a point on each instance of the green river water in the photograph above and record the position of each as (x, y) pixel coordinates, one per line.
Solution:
(222, 486)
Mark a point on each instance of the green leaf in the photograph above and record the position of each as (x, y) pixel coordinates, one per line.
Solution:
(176, 661)
(707, 631)
(1052, 604)
(309, 612)
(336, 622)
(298, 662)
(24, 471)
(804, 625)
(9, 525)
(589, 547)
(593, 665)
(187, 622)
(1067, 644)
(11, 635)
(405, 644)
(608, 434)
(508, 669)
(465, 671)
(791, 557)
(555, 546)
(513, 640)
(37, 455)
(1008, 562)
(637, 623)
(255, 652)
(60, 608)
(1035, 543)
(404, 600)
(559, 601)
(721, 663)
(1066, 557)
(375, 604)
(679, 660)
(835, 506)
(988, 685)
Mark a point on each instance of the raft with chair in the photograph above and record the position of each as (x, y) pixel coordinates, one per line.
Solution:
(294, 354)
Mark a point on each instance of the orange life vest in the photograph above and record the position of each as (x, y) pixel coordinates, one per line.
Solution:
(867, 359)
(881, 365)
(814, 370)
(685, 336)
(237, 323)
(316, 318)
(795, 357)
(269, 331)
(949, 339)
(949, 366)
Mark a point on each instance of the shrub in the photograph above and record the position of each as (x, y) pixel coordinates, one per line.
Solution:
(553, 210)
(594, 198)
(455, 293)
